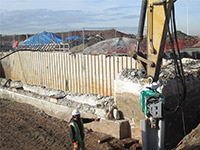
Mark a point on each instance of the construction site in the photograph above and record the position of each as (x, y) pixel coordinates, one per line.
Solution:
(145, 89)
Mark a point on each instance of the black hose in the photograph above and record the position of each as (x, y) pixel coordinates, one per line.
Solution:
(181, 65)
(9, 54)
(178, 66)
(141, 24)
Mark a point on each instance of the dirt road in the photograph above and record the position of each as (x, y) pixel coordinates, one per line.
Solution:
(24, 127)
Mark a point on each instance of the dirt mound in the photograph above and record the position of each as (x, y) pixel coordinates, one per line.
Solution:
(79, 47)
(115, 45)
(23, 126)
(197, 44)
(191, 141)
(183, 36)
(106, 34)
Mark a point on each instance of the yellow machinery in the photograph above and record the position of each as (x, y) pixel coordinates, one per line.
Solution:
(158, 16)
(158, 19)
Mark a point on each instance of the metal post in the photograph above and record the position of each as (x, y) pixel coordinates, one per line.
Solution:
(153, 138)
(14, 37)
(188, 17)
(71, 38)
(62, 35)
(83, 38)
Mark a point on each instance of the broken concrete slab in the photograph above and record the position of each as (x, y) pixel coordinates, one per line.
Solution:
(91, 103)
(118, 128)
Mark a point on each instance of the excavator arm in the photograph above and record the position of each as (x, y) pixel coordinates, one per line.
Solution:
(158, 16)
(151, 101)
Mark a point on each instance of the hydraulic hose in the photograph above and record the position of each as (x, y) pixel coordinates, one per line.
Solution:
(141, 24)
(8, 54)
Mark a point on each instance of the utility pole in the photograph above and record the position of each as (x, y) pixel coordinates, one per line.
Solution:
(187, 17)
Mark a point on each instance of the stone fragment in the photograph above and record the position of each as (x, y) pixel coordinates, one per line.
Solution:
(16, 84)
(104, 139)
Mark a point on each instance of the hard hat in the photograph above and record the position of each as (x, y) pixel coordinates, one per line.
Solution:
(75, 112)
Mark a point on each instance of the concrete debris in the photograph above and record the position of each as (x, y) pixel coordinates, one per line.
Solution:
(190, 67)
(91, 103)
(16, 84)
(5, 82)
(167, 76)
(41, 90)
(132, 75)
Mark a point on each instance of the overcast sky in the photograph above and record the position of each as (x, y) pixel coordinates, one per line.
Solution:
(33, 16)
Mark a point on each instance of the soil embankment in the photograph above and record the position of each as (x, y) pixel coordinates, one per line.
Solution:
(24, 127)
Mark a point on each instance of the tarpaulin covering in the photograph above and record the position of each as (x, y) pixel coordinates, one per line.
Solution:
(73, 38)
(43, 38)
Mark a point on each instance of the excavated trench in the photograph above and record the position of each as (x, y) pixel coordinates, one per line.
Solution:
(179, 119)
(37, 130)
(46, 125)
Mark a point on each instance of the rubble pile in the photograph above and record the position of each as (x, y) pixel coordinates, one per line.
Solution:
(91, 103)
(131, 75)
(190, 67)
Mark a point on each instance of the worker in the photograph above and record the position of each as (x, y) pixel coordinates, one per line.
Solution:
(77, 129)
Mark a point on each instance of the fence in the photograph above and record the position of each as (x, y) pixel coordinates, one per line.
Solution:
(84, 37)
(46, 47)
(77, 73)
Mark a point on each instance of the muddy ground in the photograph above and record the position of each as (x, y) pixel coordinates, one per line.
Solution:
(24, 127)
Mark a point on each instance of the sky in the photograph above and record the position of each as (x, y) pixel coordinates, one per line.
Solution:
(34, 16)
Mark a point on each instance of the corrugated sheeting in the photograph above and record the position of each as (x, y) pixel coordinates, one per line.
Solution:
(77, 73)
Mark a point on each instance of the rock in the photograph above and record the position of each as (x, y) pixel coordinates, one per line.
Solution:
(91, 103)
(5, 82)
(59, 95)
(105, 138)
(53, 100)
(99, 96)
(136, 147)
(16, 84)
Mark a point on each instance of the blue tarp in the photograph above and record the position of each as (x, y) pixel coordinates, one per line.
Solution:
(43, 38)
(74, 38)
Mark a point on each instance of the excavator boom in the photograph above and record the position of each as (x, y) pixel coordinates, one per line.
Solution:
(158, 15)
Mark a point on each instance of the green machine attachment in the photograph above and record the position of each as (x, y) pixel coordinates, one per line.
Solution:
(151, 103)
